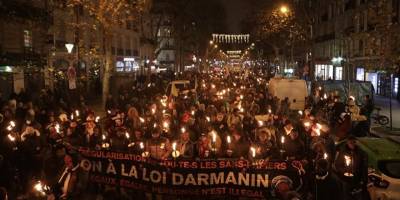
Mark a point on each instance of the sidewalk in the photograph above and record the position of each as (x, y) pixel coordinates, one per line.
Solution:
(383, 103)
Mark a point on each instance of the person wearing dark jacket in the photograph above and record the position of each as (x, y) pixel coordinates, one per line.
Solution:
(327, 184)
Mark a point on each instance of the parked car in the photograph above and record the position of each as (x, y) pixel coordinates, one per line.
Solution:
(383, 167)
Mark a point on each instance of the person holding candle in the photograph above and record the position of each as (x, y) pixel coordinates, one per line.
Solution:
(265, 145)
(159, 147)
(294, 147)
(240, 144)
(351, 166)
(185, 146)
(326, 183)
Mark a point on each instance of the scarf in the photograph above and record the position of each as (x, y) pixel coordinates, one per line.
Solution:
(66, 176)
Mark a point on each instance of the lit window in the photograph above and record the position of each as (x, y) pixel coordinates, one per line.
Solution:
(27, 39)
(120, 66)
(360, 74)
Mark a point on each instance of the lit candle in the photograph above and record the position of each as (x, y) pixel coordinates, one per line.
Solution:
(325, 96)
(183, 129)
(193, 112)
(141, 120)
(72, 116)
(174, 146)
(241, 96)
(57, 127)
(11, 138)
(208, 119)
(77, 113)
(300, 112)
(325, 156)
(97, 119)
(165, 125)
(104, 137)
(269, 111)
(347, 160)
(260, 123)
(141, 145)
(214, 137)
(154, 125)
(12, 124)
(282, 140)
(127, 135)
(228, 139)
(109, 112)
(153, 111)
(253, 151)
(175, 153)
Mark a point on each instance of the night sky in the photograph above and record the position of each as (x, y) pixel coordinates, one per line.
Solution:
(236, 11)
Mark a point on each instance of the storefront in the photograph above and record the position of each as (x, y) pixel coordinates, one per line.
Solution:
(126, 64)
(324, 71)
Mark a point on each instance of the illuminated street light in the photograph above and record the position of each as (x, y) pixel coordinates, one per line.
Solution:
(69, 47)
(284, 9)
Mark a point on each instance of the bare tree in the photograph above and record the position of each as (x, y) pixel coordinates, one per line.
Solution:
(108, 15)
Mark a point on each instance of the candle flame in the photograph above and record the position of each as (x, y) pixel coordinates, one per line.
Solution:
(214, 136)
(77, 113)
(11, 138)
(183, 129)
(282, 139)
(253, 151)
(228, 139)
(103, 137)
(141, 119)
(97, 119)
(208, 119)
(127, 135)
(174, 146)
(325, 156)
(347, 160)
(57, 127)
(141, 145)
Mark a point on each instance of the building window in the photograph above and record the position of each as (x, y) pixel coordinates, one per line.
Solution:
(28, 39)
(324, 72)
(120, 66)
(339, 73)
(360, 74)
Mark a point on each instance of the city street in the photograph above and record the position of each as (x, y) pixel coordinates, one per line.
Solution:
(199, 99)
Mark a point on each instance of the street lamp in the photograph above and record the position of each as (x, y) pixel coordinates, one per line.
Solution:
(69, 47)
(284, 9)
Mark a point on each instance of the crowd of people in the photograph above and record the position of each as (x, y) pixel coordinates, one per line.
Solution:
(222, 115)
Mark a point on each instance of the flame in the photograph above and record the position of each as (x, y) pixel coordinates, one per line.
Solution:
(228, 139)
(347, 160)
(253, 151)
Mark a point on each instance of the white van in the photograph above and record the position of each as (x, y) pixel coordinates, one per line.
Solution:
(294, 89)
(174, 88)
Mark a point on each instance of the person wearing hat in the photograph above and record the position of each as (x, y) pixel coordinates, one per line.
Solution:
(281, 186)
(265, 144)
(327, 185)
(240, 144)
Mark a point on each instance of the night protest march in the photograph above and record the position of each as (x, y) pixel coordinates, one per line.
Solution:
(199, 100)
